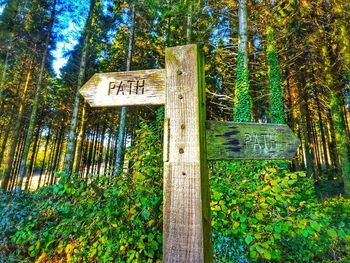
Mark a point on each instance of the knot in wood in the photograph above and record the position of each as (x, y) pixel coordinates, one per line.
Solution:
(181, 151)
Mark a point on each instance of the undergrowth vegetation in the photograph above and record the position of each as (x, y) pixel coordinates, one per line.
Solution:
(269, 213)
(260, 212)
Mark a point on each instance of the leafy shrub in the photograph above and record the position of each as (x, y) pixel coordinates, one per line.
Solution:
(104, 219)
(272, 214)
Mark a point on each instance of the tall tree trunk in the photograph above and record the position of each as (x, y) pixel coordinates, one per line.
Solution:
(323, 137)
(122, 116)
(4, 140)
(89, 152)
(80, 139)
(94, 149)
(10, 12)
(49, 166)
(316, 152)
(306, 125)
(28, 139)
(190, 6)
(243, 101)
(44, 159)
(332, 146)
(68, 162)
(106, 157)
(15, 164)
(58, 152)
(32, 159)
(168, 29)
(100, 157)
(274, 72)
(3, 75)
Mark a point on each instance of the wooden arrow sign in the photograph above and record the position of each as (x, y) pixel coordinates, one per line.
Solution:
(144, 87)
(248, 141)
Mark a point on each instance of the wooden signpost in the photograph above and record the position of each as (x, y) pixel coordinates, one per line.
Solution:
(130, 88)
(180, 87)
(246, 141)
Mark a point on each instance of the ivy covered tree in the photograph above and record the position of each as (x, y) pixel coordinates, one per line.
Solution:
(243, 102)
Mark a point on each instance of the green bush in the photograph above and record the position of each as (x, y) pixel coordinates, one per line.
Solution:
(106, 219)
(274, 215)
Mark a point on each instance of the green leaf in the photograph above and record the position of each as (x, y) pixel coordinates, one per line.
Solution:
(332, 233)
(315, 226)
(249, 239)
(260, 249)
(146, 214)
(267, 255)
(259, 216)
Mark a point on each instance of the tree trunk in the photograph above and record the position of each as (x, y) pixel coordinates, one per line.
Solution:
(3, 75)
(122, 116)
(58, 152)
(107, 154)
(32, 159)
(316, 152)
(306, 126)
(15, 164)
(274, 72)
(44, 159)
(333, 147)
(190, 7)
(9, 12)
(94, 149)
(243, 101)
(323, 137)
(4, 140)
(89, 153)
(80, 140)
(68, 163)
(168, 29)
(100, 157)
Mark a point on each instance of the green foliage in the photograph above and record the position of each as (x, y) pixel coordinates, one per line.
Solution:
(243, 101)
(260, 212)
(105, 219)
(269, 214)
(276, 94)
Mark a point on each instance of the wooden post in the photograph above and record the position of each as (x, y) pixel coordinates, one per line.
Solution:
(187, 224)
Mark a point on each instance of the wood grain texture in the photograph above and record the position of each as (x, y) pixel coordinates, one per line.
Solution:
(187, 235)
(249, 141)
(143, 87)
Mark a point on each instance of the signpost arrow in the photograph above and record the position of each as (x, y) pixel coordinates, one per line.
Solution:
(249, 141)
(130, 88)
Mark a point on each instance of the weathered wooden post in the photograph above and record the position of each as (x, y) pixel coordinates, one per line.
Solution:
(187, 234)
(187, 224)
